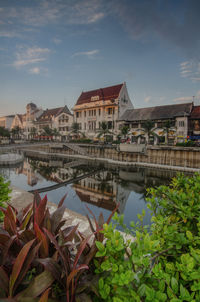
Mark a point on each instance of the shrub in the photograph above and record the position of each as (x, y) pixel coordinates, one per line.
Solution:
(40, 256)
(4, 194)
(162, 264)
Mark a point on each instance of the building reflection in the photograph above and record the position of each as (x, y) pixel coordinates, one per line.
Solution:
(102, 190)
(105, 189)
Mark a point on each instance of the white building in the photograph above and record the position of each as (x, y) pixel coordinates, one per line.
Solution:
(103, 104)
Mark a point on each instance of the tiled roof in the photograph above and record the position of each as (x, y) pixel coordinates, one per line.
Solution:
(157, 113)
(49, 113)
(106, 93)
(195, 112)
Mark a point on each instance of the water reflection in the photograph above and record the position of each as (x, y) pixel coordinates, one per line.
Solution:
(102, 191)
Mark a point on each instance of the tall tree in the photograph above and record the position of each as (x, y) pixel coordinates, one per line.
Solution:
(167, 127)
(104, 130)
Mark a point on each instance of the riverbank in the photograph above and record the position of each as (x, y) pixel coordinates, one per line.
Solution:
(108, 161)
(21, 199)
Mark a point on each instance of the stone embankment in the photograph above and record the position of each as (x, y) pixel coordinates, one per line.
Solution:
(20, 199)
(9, 159)
(170, 158)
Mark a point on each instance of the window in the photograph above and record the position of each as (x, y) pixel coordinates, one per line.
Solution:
(94, 112)
(111, 111)
(181, 123)
(109, 125)
(99, 111)
(85, 113)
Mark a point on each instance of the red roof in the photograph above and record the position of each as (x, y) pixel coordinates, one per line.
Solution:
(195, 112)
(47, 114)
(106, 93)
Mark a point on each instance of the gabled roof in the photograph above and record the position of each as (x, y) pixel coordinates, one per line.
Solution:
(195, 112)
(49, 113)
(157, 113)
(107, 93)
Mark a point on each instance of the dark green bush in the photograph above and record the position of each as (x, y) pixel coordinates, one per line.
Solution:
(162, 264)
(4, 194)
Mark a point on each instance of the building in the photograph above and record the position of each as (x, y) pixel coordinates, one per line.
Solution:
(177, 114)
(56, 118)
(103, 104)
(6, 121)
(194, 124)
(32, 113)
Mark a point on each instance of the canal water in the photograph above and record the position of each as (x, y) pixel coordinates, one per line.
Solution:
(101, 191)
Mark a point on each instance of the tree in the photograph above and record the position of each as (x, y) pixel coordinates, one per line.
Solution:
(104, 130)
(16, 131)
(33, 132)
(75, 130)
(47, 131)
(4, 132)
(148, 129)
(168, 126)
(55, 132)
(124, 131)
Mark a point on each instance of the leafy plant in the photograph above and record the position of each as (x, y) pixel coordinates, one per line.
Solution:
(4, 194)
(160, 265)
(42, 257)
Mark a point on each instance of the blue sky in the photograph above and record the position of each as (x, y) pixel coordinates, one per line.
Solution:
(52, 50)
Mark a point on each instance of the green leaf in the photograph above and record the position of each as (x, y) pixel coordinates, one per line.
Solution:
(100, 246)
(189, 235)
(174, 285)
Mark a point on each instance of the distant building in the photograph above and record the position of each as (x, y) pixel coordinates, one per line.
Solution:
(55, 118)
(103, 104)
(178, 114)
(6, 121)
(32, 113)
(194, 124)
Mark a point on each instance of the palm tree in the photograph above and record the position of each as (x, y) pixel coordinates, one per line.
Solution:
(104, 130)
(124, 131)
(33, 132)
(167, 127)
(55, 132)
(47, 131)
(148, 130)
(76, 131)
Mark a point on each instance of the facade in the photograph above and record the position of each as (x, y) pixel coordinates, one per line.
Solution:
(177, 114)
(56, 118)
(103, 104)
(6, 121)
(194, 124)
(32, 113)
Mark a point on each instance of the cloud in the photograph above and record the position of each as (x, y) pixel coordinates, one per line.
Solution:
(27, 56)
(90, 54)
(52, 11)
(147, 99)
(183, 99)
(190, 69)
(175, 23)
(57, 41)
(35, 70)
(194, 98)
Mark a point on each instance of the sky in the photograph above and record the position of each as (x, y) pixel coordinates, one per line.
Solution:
(52, 50)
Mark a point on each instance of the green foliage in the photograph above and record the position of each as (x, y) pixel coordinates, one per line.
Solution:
(162, 264)
(4, 132)
(4, 194)
(40, 256)
(186, 144)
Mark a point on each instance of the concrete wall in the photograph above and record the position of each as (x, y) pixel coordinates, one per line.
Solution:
(171, 156)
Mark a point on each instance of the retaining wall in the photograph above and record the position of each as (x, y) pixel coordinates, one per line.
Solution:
(170, 156)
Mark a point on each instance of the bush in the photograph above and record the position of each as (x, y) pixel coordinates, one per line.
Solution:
(162, 264)
(40, 256)
(187, 144)
(81, 140)
(4, 194)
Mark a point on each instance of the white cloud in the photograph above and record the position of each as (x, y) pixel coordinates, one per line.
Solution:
(57, 41)
(52, 11)
(35, 70)
(90, 54)
(183, 99)
(190, 69)
(147, 99)
(27, 56)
